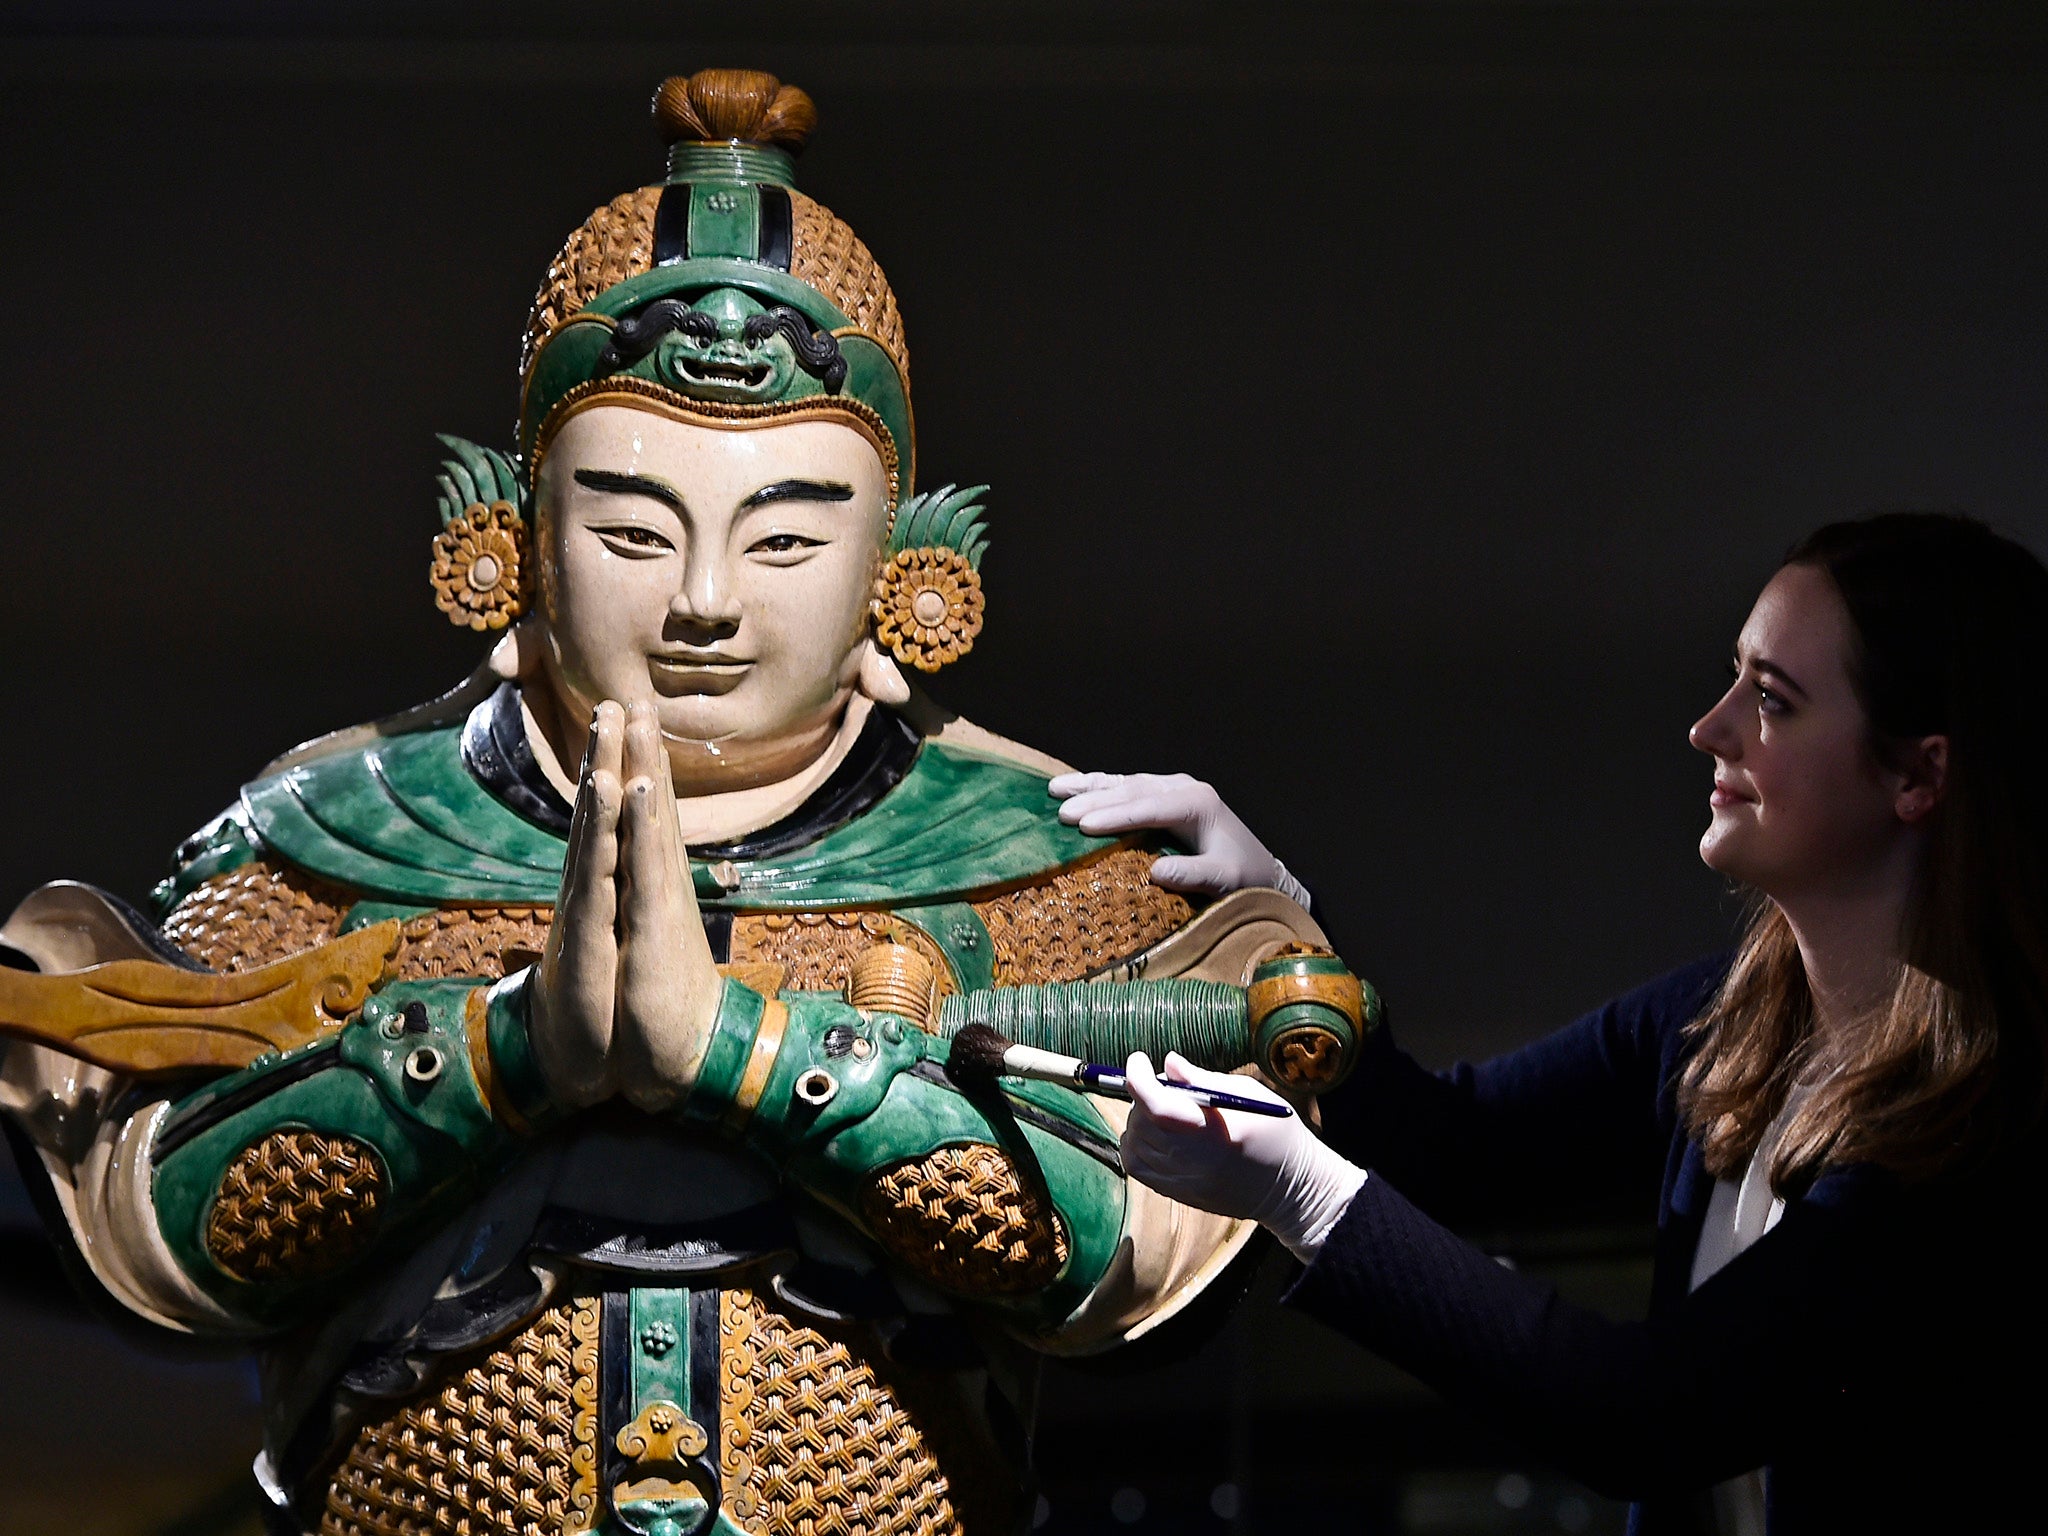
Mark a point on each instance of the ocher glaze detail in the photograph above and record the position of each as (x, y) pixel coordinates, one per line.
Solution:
(295, 1205)
(255, 915)
(481, 942)
(813, 1442)
(928, 607)
(1081, 920)
(506, 1449)
(964, 1218)
(479, 560)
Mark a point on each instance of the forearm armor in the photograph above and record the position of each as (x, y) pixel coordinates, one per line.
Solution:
(1013, 1196)
(271, 1181)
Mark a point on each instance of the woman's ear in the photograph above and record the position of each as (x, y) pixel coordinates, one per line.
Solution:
(1922, 771)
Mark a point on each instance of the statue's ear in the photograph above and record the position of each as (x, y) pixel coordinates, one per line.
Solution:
(928, 600)
(479, 572)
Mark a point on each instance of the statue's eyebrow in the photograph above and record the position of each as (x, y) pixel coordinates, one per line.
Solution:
(800, 490)
(630, 485)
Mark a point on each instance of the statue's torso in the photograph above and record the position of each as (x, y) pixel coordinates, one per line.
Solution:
(846, 1395)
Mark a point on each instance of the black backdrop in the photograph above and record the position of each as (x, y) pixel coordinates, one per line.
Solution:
(1390, 410)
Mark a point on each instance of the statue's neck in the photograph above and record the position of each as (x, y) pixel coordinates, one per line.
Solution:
(721, 816)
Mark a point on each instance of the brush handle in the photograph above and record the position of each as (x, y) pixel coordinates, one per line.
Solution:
(1108, 1081)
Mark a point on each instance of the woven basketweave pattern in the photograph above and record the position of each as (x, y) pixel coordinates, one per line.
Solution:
(1082, 920)
(295, 1204)
(817, 949)
(617, 242)
(811, 1443)
(254, 915)
(964, 1219)
(829, 256)
(507, 1449)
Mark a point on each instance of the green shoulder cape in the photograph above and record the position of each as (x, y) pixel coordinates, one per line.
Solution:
(404, 819)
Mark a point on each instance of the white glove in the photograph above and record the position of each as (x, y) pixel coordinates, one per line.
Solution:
(1275, 1171)
(1227, 856)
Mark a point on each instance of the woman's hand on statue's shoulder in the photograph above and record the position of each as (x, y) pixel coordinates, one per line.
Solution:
(1225, 856)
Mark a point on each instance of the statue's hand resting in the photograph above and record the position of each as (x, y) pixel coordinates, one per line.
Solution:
(626, 991)
(1226, 857)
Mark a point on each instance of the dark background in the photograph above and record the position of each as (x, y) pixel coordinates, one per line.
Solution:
(1390, 409)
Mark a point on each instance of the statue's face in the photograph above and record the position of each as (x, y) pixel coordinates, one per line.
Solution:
(721, 573)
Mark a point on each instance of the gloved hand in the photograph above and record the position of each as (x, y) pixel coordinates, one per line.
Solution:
(1275, 1171)
(1227, 856)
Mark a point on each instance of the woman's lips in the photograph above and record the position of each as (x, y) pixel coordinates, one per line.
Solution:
(1726, 794)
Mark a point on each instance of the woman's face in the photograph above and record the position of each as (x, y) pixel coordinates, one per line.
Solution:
(1801, 806)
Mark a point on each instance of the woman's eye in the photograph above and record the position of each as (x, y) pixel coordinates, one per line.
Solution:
(1771, 703)
(783, 544)
(636, 541)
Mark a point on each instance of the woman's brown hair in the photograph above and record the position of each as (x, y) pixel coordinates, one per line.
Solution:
(1951, 639)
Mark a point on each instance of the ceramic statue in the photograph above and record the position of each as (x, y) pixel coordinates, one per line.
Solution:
(551, 1081)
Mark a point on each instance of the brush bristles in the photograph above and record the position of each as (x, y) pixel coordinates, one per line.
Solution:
(976, 1057)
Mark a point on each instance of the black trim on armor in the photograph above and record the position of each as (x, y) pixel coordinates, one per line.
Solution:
(393, 1367)
(148, 932)
(706, 1342)
(1100, 1148)
(614, 1382)
(672, 225)
(718, 929)
(836, 1293)
(880, 757)
(498, 755)
(183, 1125)
(777, 240)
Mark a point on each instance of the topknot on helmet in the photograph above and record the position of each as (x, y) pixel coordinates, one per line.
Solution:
(746, 105)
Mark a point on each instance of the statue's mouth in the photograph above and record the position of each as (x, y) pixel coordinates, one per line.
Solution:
(690, 672)
(704, 371)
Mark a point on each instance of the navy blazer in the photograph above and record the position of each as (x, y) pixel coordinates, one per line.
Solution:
(1881, 1350)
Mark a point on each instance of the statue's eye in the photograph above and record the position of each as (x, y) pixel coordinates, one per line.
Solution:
(635, 540)
(783, 544)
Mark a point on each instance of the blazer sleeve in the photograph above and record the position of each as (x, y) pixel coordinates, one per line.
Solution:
(1581, 1118)
(1636, 1410)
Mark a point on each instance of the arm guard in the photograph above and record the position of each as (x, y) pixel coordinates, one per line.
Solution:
(1013, 1197)
(272, 1180)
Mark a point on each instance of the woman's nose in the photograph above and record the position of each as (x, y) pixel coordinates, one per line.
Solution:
(1714, 732)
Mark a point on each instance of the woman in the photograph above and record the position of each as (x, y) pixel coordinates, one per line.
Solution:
(1839, 1124)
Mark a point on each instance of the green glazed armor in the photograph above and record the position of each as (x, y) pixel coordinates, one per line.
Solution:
(272, 1180)
(852, 1095)
(403, 820)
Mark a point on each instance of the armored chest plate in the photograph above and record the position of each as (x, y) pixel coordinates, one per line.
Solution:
(811, 1432)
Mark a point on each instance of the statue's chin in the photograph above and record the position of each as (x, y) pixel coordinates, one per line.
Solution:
(713, 746)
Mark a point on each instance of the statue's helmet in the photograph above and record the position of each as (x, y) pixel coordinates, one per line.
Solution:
(722, 295)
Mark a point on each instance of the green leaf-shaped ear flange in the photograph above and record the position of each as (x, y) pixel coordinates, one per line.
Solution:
(943, 519)
(475, 474)
(480, 552)
(928, 601)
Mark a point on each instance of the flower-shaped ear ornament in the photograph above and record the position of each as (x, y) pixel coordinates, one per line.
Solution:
(480, 553)
(928, 600)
